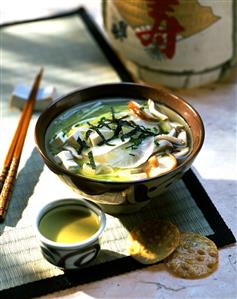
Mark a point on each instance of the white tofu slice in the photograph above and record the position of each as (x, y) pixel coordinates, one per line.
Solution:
(66, 158)
(64, 155)
(95, 138)
(127, 129)
(60, 139)
(72, 151)
(72, 139)
(70, 164)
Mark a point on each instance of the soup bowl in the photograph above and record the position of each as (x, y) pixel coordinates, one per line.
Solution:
(119, 196)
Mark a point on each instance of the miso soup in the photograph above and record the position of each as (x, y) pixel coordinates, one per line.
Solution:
(69, 224)
(119, 140)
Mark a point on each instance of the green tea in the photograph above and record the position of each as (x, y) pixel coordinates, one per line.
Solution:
(69, 224)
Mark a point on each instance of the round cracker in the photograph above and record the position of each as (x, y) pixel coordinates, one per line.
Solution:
(152, 241)
(195, 257)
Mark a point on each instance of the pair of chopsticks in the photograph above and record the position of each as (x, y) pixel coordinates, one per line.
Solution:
(12, 159)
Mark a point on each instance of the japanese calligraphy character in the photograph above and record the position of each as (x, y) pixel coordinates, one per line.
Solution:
(165, 28)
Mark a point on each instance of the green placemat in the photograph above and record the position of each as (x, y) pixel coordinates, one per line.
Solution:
(73, 53)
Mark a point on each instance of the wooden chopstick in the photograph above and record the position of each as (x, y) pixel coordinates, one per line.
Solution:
(12, 159)
(11, 149)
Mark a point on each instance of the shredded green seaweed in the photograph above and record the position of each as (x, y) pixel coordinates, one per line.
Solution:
(92, 161)
(117, 125)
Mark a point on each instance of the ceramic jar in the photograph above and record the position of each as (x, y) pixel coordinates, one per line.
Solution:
(177, 43)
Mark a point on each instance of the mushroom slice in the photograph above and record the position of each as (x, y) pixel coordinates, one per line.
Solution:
(172, 132)
(153, 110)
(183, 136)
(163, 145)
(140, 112)
(176, 125)
(171, 139)
(182, 153)
(152, 163)
(165, 164)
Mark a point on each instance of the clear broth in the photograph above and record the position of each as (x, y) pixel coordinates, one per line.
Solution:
(82, 113)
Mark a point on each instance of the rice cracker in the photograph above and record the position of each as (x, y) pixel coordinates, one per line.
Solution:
(152, 241)
(195, 257)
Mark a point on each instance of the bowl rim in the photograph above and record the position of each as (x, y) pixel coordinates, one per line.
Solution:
(117, 85)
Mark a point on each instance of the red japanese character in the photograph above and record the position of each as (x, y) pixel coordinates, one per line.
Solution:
(165, 28)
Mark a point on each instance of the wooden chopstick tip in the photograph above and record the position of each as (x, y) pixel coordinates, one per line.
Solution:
(38, 77)
(41, 70)
(40, 73)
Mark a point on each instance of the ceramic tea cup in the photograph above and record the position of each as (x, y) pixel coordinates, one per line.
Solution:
(69, 231)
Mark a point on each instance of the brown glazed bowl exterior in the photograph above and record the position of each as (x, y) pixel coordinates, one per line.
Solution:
(120, 197)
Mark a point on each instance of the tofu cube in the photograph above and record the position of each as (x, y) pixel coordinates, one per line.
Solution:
(60, 139)
(66, 158)
(95, 138)
(72, 139)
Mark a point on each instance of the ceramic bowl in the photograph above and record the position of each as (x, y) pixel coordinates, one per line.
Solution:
(73, 255)
(120, 197)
